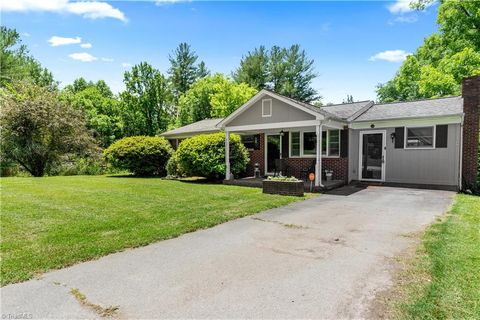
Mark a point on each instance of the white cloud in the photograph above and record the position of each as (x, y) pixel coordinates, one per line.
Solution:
(126, 64)
(26, 34)
(86, 9)
(86, 45)
(403, 6)
(107, 59)
(404, 19)
(390, 56)
(162, 2)
(95, 10)
(56, 41)
(82, 56)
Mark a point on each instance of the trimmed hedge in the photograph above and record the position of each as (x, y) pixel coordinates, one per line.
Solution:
(141, 155)
(204, 155)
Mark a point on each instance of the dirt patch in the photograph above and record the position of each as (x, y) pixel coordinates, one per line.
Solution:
(101, 311)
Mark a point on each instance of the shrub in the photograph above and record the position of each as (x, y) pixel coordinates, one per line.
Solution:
(173, 169)
(204, 155)
(141, 155)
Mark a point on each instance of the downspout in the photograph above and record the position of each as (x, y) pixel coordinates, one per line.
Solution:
(318, 176)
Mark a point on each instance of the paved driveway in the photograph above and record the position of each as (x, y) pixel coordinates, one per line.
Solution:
(321, 258)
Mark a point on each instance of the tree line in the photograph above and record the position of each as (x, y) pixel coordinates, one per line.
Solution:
(437, 67)
(37, 116)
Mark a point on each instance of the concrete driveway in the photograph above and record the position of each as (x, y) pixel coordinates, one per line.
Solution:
(322, 258)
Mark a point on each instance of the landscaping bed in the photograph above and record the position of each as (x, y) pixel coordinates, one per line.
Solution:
(283, 186)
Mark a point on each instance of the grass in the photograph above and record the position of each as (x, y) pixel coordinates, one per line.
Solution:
(52, 222)
(442, 280)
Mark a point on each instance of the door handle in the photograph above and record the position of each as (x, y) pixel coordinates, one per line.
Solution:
(383, 159)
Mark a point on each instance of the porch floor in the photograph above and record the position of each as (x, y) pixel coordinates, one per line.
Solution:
(257, 183)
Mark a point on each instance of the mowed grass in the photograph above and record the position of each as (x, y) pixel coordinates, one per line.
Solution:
(443, 279)
(52, 222)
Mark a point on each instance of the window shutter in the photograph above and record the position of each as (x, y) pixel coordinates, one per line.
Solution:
(344, 143)
(399, 137)
(257, 142)
(441, 136)
(285, 145)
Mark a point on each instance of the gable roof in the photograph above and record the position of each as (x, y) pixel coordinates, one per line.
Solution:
(306, 107)
(414, 109)
(348, 111)
(202, 126)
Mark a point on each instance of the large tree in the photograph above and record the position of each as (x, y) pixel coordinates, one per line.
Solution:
(38, 128)
(17, 65)
(253, 69)
(438, 66)
(287, 71)
(102, 111)
(212, 97)
(184, 70)
(147, 101)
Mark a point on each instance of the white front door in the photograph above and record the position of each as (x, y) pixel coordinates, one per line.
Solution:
(372, 155)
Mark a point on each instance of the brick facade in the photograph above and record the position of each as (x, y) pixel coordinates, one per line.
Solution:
(257, 156)
(471, 105)
(339, 166)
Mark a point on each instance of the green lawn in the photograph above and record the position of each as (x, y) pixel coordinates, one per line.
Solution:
(443, 280)
(53, 222)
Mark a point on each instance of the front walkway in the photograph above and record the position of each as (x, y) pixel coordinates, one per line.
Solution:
(326, 257)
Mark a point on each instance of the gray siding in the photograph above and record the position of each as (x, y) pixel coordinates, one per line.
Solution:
(281, 112)
(435, 167)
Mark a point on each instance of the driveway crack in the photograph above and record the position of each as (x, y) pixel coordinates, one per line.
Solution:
(286, 225)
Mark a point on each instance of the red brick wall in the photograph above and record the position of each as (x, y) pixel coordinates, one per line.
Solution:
(257, 156)
(339, 166)
(471, 105)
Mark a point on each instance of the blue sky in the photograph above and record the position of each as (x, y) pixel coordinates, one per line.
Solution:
(355, 44)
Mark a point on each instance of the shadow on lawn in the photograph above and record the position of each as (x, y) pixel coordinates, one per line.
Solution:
(199, 180)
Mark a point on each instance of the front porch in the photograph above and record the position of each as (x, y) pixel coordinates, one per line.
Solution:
(257, 183)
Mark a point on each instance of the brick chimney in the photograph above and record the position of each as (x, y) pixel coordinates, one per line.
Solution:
(471, 107)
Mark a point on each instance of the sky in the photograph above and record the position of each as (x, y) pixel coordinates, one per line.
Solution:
(355, 44)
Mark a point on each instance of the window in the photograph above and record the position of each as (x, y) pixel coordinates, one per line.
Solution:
(266, 107)
(309, 143)
(420, 137)
(303, 144)
(324, 143)
(333, 143)
(251, 142)
(294, 144)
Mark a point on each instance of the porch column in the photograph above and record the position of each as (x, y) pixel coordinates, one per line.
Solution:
(227, 155)
(318, 164)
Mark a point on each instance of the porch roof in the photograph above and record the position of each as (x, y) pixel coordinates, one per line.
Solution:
(202, 126)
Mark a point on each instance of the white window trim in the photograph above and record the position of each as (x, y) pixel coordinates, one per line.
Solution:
(405, 136)
(302, 155)
(290, 144)
(264, 114)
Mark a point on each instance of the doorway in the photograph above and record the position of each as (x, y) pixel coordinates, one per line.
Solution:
(273, 149)
(372, 155)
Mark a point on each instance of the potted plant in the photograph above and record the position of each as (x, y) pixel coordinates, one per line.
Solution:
(329, 175)
(289, 186)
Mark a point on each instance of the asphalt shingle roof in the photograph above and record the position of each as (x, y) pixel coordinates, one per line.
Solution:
(413, 109)
(346, 110)
(352, 111)
(202, 126)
